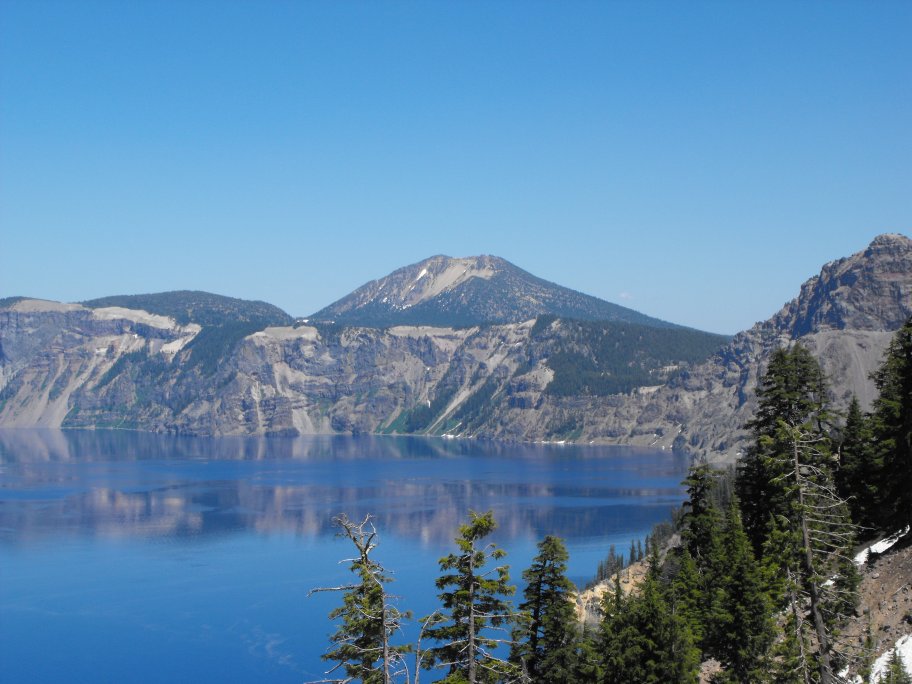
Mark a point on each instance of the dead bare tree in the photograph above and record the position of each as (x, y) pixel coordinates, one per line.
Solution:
(821, 575)
(368, 616)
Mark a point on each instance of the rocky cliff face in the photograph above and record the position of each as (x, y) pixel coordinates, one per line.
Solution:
(73, 367)
(64, 365)
(846, 316)
(51, 353)
(67, 365)
(869, 291)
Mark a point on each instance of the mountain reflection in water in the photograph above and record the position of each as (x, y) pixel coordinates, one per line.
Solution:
(156, 558)
(125, 484)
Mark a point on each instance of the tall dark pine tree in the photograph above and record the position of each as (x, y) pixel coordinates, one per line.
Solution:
(741, 623)
(700, 521)
(892, 427)
(545, 643)
(856, 478)
(697, 565)
(789, 495)
(793, 391)
(645, 638)
(688, 593)
(475, 608)
(618, 643)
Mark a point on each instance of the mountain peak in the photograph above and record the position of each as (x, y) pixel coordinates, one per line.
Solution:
(466, 291)
(890, 240)
(869, 290)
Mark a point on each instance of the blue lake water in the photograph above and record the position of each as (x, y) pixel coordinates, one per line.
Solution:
(147, 558)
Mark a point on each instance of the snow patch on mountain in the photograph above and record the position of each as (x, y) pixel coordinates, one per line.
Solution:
(878, 547)
(904, 648)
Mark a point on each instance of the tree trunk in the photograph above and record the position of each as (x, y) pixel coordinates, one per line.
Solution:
(826, 671)
(386, 654)
(799, 636)
(471, 645)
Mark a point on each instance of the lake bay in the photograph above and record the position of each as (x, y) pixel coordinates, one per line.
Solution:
(147, 558)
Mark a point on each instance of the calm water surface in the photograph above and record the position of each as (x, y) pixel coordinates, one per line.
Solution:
(145, 558)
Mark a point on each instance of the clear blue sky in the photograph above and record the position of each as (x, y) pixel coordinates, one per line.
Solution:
(694, 161)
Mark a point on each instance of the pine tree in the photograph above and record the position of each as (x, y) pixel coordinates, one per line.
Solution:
(823, 540)
(792, 656)
(609, 565)
(700, 521)
(545, 643)
(740, 623)
(679, 660)
(474, 604)
(892, 428)
(699, 565)
(587, 669)
(688, 594)
(865, 663)
(645, 638)
(856, 478)
(896, 672)
(614, 641)
(788, 479)
(792, 392)
(360, 645)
